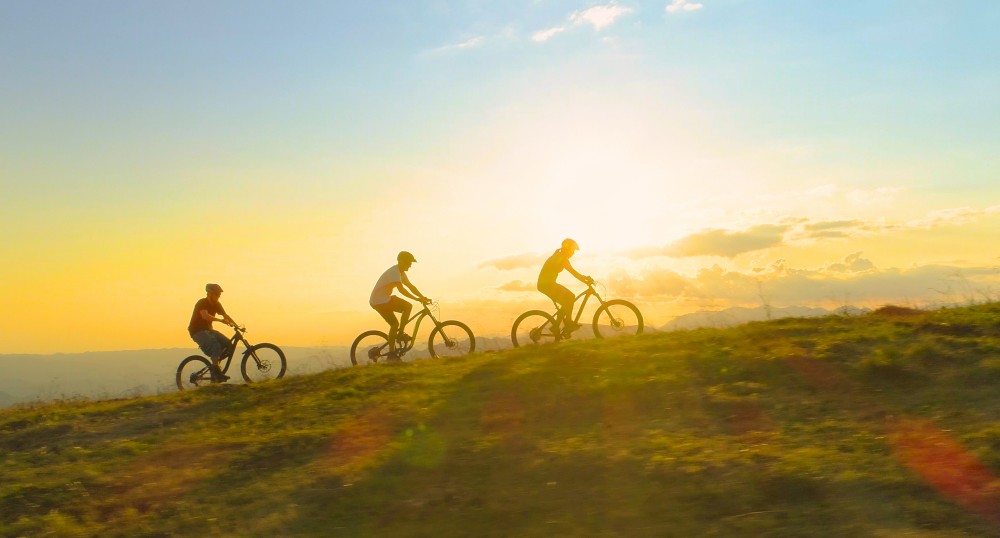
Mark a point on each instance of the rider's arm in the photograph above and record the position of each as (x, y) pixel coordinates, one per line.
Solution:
(209, 317)
(582, 278)
(407, 284)
(225, 317)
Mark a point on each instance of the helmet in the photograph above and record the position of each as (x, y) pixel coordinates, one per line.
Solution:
(569, 244)
(213, 287)
(405, 256)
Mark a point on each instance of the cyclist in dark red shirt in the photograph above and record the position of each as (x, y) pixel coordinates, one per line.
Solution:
(212, 342)
(558, 261)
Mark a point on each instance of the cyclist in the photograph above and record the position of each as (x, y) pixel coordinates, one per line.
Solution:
(564, 298)
(212, 342)
(387, 304)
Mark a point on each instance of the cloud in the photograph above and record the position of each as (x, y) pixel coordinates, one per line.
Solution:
(879, 197)
(683, 5)
(517, 286)
(853, 280)
(729, 244)
(833, 229)
(853, 263)
(651, 283)
(545, 35)
(599, 16)
(952, 217)
(833, 224)
(793, 230)
(518, 261)
(719, 242)
(470, 43)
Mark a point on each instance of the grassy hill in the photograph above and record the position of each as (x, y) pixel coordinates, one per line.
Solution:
(882, 425)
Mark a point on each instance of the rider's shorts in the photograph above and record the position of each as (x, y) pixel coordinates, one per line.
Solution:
(388, 310)
(558, 293)
(212, 343)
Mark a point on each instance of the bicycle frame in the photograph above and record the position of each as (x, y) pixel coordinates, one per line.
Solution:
(586, 295)
(425, 312)
(234, 341)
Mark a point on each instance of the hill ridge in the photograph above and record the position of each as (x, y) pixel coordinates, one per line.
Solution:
(880, 424)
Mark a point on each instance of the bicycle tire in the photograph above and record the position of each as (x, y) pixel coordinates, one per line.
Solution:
(193, 372)
(529, 329)
(263, 368)
(450, 345)
(624, 321)
(369, 351)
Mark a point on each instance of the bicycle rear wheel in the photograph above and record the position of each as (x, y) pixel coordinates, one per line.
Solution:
(369, 348)
(193, 372)
(263, 362)
(451, 339)
(533, 328)
(617, 318)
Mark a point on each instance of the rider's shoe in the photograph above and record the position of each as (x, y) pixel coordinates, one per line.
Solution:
(403, 339)
(218, 376)
(569, 327)
(393, 357)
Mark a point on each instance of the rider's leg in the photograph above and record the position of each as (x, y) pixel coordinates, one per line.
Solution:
(404, 308)
(223, 341)
(565, 299)
(214, 344)
(385, 310)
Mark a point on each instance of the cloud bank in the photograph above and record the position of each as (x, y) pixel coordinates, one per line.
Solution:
(731, 243)
(854, 279)
(517, 261)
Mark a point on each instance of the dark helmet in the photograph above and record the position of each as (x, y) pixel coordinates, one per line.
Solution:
(405, 256)
(213, 287)
(569, 244)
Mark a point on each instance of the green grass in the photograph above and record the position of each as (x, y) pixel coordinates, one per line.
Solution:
(883, 425)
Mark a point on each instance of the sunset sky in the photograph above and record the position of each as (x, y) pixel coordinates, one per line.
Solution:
(703, 154)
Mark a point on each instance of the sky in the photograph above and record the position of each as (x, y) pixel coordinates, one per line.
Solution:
(703, 154)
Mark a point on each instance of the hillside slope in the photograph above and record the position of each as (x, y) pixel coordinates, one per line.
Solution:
(881, 425)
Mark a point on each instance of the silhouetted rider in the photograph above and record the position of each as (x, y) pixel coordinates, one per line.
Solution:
(558, 261)
(212, 342)
(387, 304)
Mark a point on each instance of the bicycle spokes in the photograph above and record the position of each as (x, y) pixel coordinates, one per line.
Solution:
(451, 339)
(263, 362)
(263, 366)
(533, 328)
(617, 318)
(200, 377)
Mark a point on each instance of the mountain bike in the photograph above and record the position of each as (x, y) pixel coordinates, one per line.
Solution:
(613, 318)
(261, 362)
(447, 339)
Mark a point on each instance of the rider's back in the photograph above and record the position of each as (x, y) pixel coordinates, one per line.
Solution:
(552, 267)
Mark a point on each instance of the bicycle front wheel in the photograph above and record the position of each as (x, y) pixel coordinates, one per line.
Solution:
(369, 348)
(617, 318)
(533, 328)
(451, 339)
(263, 362)
(194, 371)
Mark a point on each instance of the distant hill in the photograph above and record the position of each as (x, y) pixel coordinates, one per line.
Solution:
(738, 315)
(884, 424)
(118, 374)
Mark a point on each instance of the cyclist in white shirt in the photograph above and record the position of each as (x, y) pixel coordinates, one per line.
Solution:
(387, 304)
